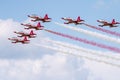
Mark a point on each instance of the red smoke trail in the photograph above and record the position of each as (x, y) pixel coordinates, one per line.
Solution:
(85, 41)
(103, 30)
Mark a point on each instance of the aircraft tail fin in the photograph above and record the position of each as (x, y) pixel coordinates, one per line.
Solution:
(32, 33)
(113, 21)
(46, 16)
(25, 38)
(78, 19)
(38, 25)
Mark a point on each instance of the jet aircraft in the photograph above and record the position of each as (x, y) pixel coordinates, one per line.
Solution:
(36, 27)
(70, 20)
(38, 18)
(17, 40)
(110, 24)
(22, 34)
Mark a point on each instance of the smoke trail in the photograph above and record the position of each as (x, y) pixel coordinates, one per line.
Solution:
(94, 34)
(85, 41)
(103, 30)
(80, 56)
(78, 48)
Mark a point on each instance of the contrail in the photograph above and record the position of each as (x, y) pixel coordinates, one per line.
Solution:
(78, 48)
(85, 41)
(80, 56)
(103, 30)
(94, 34)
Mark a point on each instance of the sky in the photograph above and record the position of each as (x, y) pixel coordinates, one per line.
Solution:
(46, 59)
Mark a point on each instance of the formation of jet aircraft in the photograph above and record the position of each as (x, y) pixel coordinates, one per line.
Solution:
(22, 37)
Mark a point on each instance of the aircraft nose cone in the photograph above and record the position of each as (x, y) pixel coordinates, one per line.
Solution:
(21, 23)
(98, 20)
(8, 38)
(28, 15)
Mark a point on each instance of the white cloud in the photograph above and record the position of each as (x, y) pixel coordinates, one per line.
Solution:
(8, 26)
(99, 71)
(56, 67)
(50, 67)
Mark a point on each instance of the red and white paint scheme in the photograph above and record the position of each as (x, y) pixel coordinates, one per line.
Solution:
(75, 21)
(110, 24)
(16, 40)
(31, 34)
(36, 27)
(38, 18)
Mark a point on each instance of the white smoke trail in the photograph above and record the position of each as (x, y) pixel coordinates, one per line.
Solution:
(115, 49)
(89, 51)
(62, 50)
(103, 30)
(94, 34)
